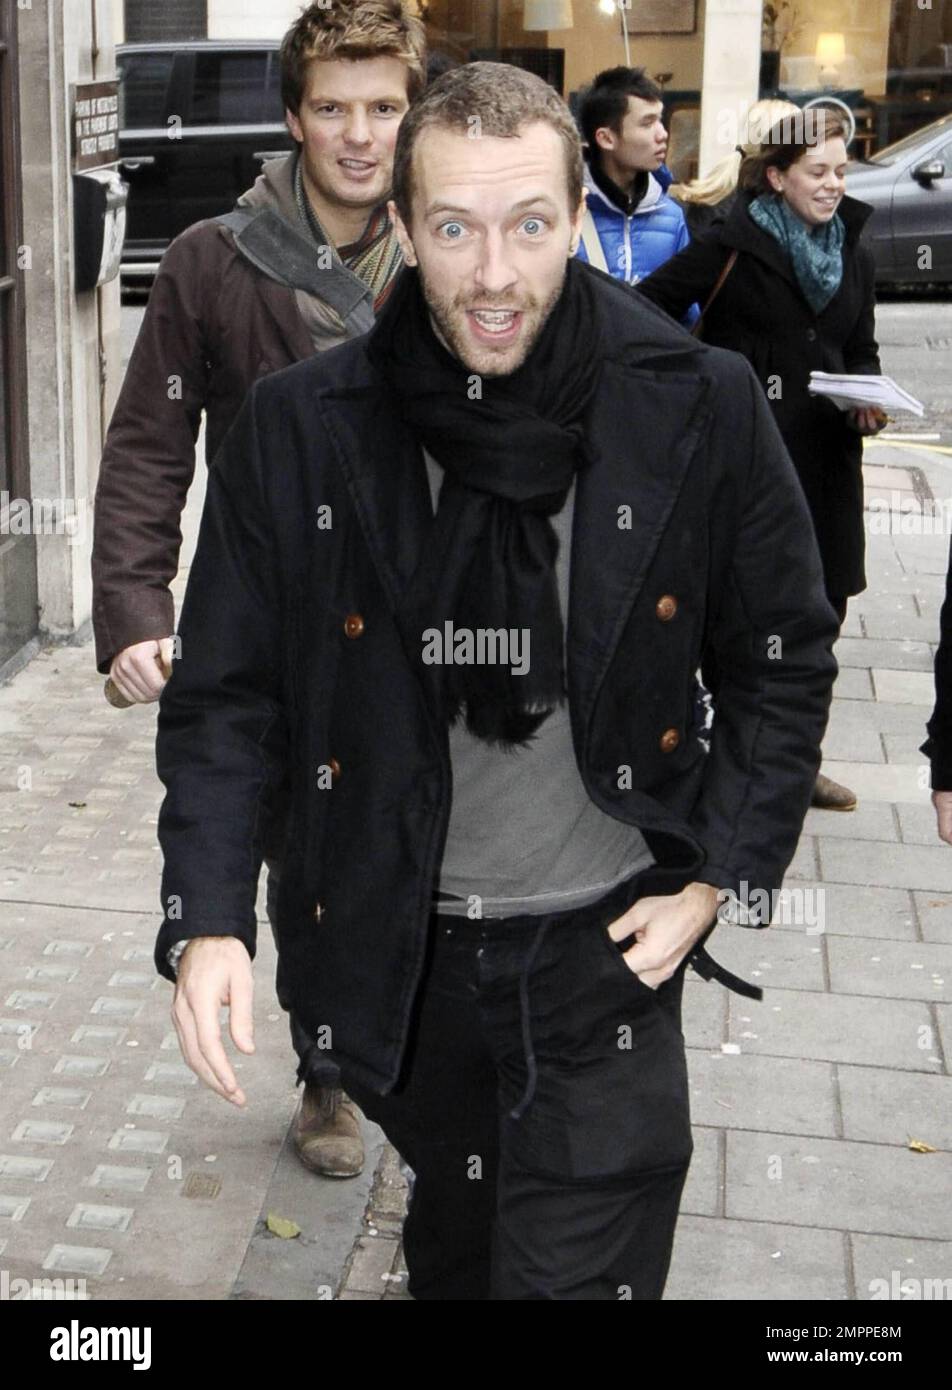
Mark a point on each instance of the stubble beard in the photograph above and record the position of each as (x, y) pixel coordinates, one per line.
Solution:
(449, 318)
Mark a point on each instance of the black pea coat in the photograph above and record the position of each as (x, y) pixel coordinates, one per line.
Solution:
(690, 528)
(762, 313)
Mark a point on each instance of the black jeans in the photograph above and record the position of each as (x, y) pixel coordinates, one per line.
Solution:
(544, 1111)
(315, 1067)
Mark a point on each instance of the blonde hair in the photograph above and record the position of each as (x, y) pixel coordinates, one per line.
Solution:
(352, 29)
(722, 180)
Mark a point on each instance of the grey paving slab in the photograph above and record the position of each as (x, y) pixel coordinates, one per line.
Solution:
(854, 683)
(935, 916)
(838, 1183)
(917, 825)
(853, 910)
(891, 866)
(892, 1108)
(769, 1093)
(853, 626)
(904, 625)
(834, 1027)
(908, 687)
(328, 1212)
(804, 862)
(904, 748)
(704, 1189)
(846, 742)
(891, 969)
(879, 781)
(883, 655)
(901, 1269)
(917, 562)
(872, 820)
(881, 715)
(943, 1014)
(771, 959)
(749, 1260)
(703, 1012)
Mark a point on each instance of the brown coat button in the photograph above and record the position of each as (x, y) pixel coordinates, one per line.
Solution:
(354, 625)
(666, 607)
(335, 768)
(318, 911)
(670, 740)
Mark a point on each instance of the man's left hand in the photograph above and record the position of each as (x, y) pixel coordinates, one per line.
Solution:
(666, 928)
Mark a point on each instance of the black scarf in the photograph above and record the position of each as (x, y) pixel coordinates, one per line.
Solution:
(510, 459)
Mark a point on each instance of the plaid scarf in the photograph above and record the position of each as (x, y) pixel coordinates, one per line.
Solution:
(374, 258)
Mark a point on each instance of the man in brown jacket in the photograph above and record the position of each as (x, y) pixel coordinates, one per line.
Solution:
(304, 263)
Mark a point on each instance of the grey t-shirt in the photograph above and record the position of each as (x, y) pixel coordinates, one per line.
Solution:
(524, 835)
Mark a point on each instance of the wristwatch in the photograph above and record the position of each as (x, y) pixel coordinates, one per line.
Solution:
(175, 955)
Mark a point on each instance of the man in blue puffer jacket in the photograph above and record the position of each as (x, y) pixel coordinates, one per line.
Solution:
(633, 226)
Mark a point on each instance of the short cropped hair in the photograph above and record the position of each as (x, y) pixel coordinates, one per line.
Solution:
(498, 100)
(605, 102)
(352, 29)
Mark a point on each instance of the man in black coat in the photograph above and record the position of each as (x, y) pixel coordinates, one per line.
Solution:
(458, 581)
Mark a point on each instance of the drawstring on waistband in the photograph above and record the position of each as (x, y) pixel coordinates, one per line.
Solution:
(531, 1069)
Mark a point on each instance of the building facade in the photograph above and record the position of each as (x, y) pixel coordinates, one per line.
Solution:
(59, 345)
(889, 61)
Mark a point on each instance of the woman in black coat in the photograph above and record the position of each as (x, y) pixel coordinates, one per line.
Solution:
(799, 298)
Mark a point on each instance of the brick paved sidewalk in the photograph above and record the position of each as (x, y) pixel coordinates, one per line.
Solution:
(802, 1184)
(118, 1168)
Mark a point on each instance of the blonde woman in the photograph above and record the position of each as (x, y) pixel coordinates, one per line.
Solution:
(705, 199)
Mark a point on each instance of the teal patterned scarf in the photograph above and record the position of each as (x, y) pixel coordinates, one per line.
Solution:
(816, 254)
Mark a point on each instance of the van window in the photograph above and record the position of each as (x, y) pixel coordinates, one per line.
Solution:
(143, 84)
(273, 105)
(229, 88)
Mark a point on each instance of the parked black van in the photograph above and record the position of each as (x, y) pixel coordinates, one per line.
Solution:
(196, 122)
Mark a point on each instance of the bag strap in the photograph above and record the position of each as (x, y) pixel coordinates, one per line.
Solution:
(728, 267)
(593, 243)
(279, 252)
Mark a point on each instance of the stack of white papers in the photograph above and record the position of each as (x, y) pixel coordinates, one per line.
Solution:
(852, 392)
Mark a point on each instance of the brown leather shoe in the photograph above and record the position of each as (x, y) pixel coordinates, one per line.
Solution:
(327, 1135)
(831, 796)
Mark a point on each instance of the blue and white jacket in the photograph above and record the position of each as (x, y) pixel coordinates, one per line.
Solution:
(636, 245)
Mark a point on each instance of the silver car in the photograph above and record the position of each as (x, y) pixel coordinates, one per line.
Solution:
(909, 184)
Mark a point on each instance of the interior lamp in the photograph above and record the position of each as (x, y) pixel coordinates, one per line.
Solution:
(830, 53)
(609, 7)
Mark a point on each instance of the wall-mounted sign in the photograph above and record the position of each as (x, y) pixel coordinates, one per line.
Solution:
(661, 16)
(95, 125)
